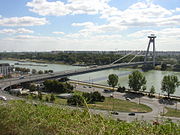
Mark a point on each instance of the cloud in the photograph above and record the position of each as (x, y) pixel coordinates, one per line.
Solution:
(90, 29)
(161, 34)
(15, 31)
(84, 24)
(177, 9)
(22, 21)
(57, 32)
(142, 14)
(58, 8)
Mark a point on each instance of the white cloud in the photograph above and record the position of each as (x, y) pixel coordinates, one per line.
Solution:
(161, 34)
(177, 9)
(142, 14)
(58, 8)
(22, 21)
(84, 24)
(57, 32)
(15, 31)
(90, 29)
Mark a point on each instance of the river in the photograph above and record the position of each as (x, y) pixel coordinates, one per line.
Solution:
(153, 77)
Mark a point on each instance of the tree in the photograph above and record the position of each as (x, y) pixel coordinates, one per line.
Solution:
(32, 87)
(112, 80)
(57, 87)
(136, 80)
(50, 71)
(169, 84)
(93, 97)
(144, 87)
(163, 66)
(39, 95)
(121, 89)
(34, 71)
(52, 98)
(40, 72)
(76, 100)
(152, 90)
(46, 71)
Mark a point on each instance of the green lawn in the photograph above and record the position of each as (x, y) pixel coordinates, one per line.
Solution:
(120, 105)
(21, 118)
(172, 112)
(110, 104)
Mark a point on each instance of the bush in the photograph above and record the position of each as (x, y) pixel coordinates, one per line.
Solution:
(93, 97)
(121, 89)
(57, 87)
(76, 100)
(96, 97)
(39, 95)
(52, 98)
(89, 98)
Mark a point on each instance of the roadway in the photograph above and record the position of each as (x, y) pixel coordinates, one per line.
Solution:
(154, 103)
(40, 77)
(157, 107)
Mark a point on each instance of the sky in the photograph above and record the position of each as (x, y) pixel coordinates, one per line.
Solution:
(93, 25)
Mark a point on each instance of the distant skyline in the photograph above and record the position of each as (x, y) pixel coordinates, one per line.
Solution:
(92, 25)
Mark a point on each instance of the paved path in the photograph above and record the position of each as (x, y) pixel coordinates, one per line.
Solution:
(154, 103)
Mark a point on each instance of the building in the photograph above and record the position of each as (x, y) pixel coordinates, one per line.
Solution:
(5, 69)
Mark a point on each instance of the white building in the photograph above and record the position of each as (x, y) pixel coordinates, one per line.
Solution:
(5, 69)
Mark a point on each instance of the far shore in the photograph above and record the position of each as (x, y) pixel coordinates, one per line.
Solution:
(36, 61)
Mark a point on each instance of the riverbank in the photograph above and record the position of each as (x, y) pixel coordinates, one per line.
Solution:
(105, 87)
(36, 61)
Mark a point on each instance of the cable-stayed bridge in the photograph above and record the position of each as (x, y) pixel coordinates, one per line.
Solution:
(91, 68)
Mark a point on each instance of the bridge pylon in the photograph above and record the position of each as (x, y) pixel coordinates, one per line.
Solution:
(151, 40)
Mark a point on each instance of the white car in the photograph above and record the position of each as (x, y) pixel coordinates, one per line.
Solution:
(3, 98)
(128, 99)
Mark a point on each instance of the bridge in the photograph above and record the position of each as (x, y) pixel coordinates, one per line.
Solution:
(33, 78)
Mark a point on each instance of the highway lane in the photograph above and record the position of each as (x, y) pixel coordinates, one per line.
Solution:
(157, 108)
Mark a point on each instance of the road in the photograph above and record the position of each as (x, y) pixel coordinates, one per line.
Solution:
(154, 103)
(156, 106)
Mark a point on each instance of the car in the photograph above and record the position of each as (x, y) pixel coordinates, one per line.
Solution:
(84, 86)
(21, 77)
(106, 91)
(115, 113)
(131, 114)
(3, 98)
(111, 95)
(128, 99)
(90, 87)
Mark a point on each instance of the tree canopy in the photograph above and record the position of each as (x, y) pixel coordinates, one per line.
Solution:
(136, 80)
(58, 87)
(169, 84)
(112, 80)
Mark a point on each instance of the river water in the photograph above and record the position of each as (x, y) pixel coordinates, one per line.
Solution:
(153, 77)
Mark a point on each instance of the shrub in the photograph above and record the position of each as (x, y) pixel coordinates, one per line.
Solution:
(121, 89)
(52, 98)
(93, 97)
(76, 100)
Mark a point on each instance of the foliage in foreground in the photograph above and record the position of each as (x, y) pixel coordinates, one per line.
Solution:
(20, 118)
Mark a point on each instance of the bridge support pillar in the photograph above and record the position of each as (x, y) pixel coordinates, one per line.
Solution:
(151, 40)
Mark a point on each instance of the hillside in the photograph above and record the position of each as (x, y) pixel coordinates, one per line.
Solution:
(20, 118)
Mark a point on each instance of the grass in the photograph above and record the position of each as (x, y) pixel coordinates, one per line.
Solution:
(120, 105)
(21, 118)
(172, 112)
(110, 104)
